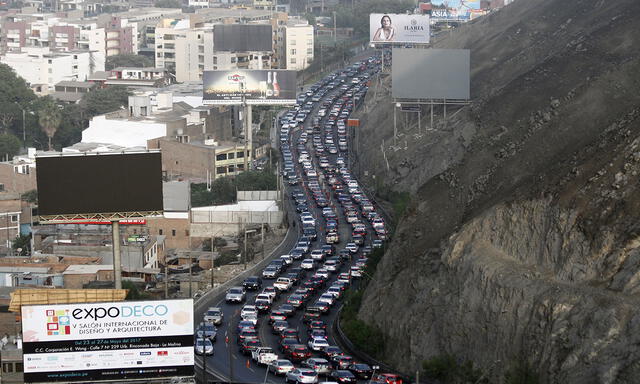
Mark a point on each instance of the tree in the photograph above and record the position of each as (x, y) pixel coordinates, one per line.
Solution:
(9, 146)
(104, 100)
(127, 60)
(14, 96)
(49, 119)
(23, 243)
(30, 196)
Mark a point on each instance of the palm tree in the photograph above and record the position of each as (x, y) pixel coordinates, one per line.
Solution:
(49, 118)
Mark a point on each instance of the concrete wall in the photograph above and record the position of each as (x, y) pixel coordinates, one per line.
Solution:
(175, 230)
(237, 217)
(257, 195)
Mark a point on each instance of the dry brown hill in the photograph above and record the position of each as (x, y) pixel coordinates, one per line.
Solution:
(522, 239)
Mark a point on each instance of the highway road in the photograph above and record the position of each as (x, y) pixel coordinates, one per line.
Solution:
(227, 363)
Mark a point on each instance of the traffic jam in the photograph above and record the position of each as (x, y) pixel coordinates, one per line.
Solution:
(284, 316)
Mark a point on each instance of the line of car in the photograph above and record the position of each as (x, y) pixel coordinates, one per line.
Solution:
(312, 279)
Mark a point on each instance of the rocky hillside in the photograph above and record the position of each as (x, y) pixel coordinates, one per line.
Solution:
(521, 242)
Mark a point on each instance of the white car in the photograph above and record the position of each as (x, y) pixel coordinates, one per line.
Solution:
(235, 294)
(281, 367)
(248, 310)
(331, 265)
(265, 296)
(356, 272)
(317, 254)
(302, 376)
(307, 264)
(308, 220)
(323, 273)
(318, 343)
(326, 298)
(335, 290)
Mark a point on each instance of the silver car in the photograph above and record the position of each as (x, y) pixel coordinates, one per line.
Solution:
(235, 295)
(214, 315)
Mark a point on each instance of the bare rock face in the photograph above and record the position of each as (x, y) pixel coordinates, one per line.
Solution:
(522, 240)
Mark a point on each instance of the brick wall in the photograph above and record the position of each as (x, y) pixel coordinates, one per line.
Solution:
(17, 182)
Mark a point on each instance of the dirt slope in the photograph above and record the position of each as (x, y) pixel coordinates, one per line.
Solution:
(521, 242)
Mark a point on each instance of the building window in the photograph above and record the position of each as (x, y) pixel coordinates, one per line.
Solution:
(14, 218)
(232, 169)
(293, 60)
(309, 51)
(231, 156)
(186, 232)
(173, 232)
(221, 157)
(233, 60)
(160, 232)
(221, 170)
(240, 155)
(293, 51)
(310, 42)
(293, 42)
(215, 59)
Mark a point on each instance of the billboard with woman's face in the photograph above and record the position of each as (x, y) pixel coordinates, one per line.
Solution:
(387, 28)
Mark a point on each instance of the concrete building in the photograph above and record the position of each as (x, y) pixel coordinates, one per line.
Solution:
(298, 44)
(233, 219)
(152, 115)
(10, 211)
(19, 175)
(40, 66)
(201, 160)
(174, 224)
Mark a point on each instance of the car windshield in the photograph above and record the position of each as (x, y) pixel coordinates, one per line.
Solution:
(235, 290)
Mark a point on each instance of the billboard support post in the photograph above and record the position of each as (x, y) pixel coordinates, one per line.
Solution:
(117, 267)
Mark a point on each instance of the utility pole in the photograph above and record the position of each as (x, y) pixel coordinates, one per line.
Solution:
(190, 275)
(335, 33)
(213, 252)
(262, 239)
(245, 246)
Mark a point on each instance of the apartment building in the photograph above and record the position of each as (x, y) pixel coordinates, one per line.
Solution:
(298, 44)
(43, 68)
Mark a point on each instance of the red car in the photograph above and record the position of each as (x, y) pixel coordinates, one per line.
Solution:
(298, 353)
(386, 378)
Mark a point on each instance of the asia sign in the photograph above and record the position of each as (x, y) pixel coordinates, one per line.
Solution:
(398, 28)
(253, 86)
(107, 341)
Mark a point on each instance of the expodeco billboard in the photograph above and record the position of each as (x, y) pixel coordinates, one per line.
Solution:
(256, 86)
(107, 341)
(398, 28)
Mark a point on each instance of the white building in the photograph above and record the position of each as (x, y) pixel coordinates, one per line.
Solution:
(40, 66)
(298, 44)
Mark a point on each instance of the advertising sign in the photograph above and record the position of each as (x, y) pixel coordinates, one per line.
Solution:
(107, 341)
(242, 38)
(255, 86)
(97, 184)
(398, 28)
(431, 74)
(452, 10)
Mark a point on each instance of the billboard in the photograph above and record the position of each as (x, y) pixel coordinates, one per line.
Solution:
(398, 28)
(107, 341)
(242, 37)
(95, 184)
(430, 73)
(454, 10)
(256, 86)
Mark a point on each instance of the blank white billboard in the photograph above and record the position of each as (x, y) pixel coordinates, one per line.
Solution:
(430, 73)
(398, 28)
(107, 341)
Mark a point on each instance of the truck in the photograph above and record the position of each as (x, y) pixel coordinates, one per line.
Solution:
(283, 284)
(264, 355)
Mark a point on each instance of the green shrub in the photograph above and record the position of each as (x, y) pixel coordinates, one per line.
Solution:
(447, 370)
(521, 372)
(226, 258)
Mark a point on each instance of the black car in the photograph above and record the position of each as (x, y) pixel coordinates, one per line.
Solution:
(343, 376)
(252, 283)
(361, 371)
(310, 233)
(262, 305)
(249, 345)
(311, 313)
